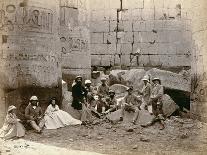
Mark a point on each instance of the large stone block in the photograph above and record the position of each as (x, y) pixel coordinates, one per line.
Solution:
(96, 4)
(115, 4)
(98, 15)
(97, 38)
(107, 60)
(112, 26)
(100, 26)
(110, 38)
(147, 14)
(136, 14)
(95, 60)
(99, 49)
(150, 49)
(148, 37)
(124, 48)
(139, 26)
(126, 15)
(149, 4)
(125, 60)
(112, 14)
(173, 25)
(171, 80)
(131, 4)
(127, 38)
(167, 48)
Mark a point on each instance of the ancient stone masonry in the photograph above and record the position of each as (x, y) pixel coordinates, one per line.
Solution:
(199, 63)
(74, 38)
(29, 51)
(28, 44)
(131, 33)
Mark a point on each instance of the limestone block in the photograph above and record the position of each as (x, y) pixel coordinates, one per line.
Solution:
(127, 37)
(173, 25)
(117, 60)
(95, 60)
(131, 4)
(137, 37)
(163, 37)
(127, 25)
(96, 4)
(125, 60)
(99, 49)
(166, 48)
(149, 25)
(148, 37)
(107, 60)
(110, 38)
(149, 4)
(171, 80)
(148, 14)
(161, 14)
(183, 48)
(154, 60)
(136, 14)
(125, 48)
(100, 26)
(159, 3)
(112, 14)
(139, 26)
(98, 15)
(115, 4)
(126, 15)
(111, 48)
(112, 26)
(72, 60)
(150, 49)
(97, 38)
(158, 25)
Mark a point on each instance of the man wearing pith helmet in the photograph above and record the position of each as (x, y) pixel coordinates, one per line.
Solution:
(156, 101)
(34, 114)
(103, 89)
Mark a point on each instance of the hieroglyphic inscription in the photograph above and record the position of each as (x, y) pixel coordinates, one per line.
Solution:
(73, 3)
(32, 19)
(19, 55)
(73, 44)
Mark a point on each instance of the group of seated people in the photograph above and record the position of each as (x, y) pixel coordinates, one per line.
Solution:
(101, 100)
(92, 103)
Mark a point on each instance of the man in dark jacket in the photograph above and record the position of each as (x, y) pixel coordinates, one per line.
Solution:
(79, 93)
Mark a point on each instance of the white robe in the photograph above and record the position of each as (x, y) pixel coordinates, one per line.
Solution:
(56, 118)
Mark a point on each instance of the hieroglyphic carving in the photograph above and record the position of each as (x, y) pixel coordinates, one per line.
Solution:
(73, 44)
(18, 55)
(73, 3)
(32, 19)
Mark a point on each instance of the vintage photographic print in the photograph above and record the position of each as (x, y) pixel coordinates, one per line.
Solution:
(103, 77)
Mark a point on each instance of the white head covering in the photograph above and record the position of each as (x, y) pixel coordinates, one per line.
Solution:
(146, 78)
(87, 81)
(12, 107)
(34, 98)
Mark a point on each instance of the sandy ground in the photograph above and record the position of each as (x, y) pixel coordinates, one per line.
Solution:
(180, 136)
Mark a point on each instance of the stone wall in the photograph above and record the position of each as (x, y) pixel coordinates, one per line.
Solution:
(199, 63)
(75, 39)
(134, 33)
(29, 56)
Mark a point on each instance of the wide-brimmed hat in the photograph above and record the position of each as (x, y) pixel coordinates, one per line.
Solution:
(145, 78)
(129, 88)
(78, 77)
(156, 79)
(34, 98)
(87, 81)
(103, 79)
(111, 92)
(12, 107)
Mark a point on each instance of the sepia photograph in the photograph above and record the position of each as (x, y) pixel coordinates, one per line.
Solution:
(103, 77)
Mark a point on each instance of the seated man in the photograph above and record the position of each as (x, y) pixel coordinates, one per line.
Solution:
(89, 92)
(34, 114)
(111, 102)
(156, 101)
(103, 89)
(131, 103)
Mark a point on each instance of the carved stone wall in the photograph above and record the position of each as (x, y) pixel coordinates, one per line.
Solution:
(75, 39)
(29, 48)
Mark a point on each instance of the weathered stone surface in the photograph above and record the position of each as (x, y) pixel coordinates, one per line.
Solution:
(171, 80)
(30, 44)
(169, 106)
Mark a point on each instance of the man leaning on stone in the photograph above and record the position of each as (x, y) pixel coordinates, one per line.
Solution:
(34, 114)
(156, 101)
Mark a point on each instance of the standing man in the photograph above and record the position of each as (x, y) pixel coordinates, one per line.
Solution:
(34, 114)
(79, 93)
(131, 103)
(103, 89)
(146, 92)
(156, 101)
